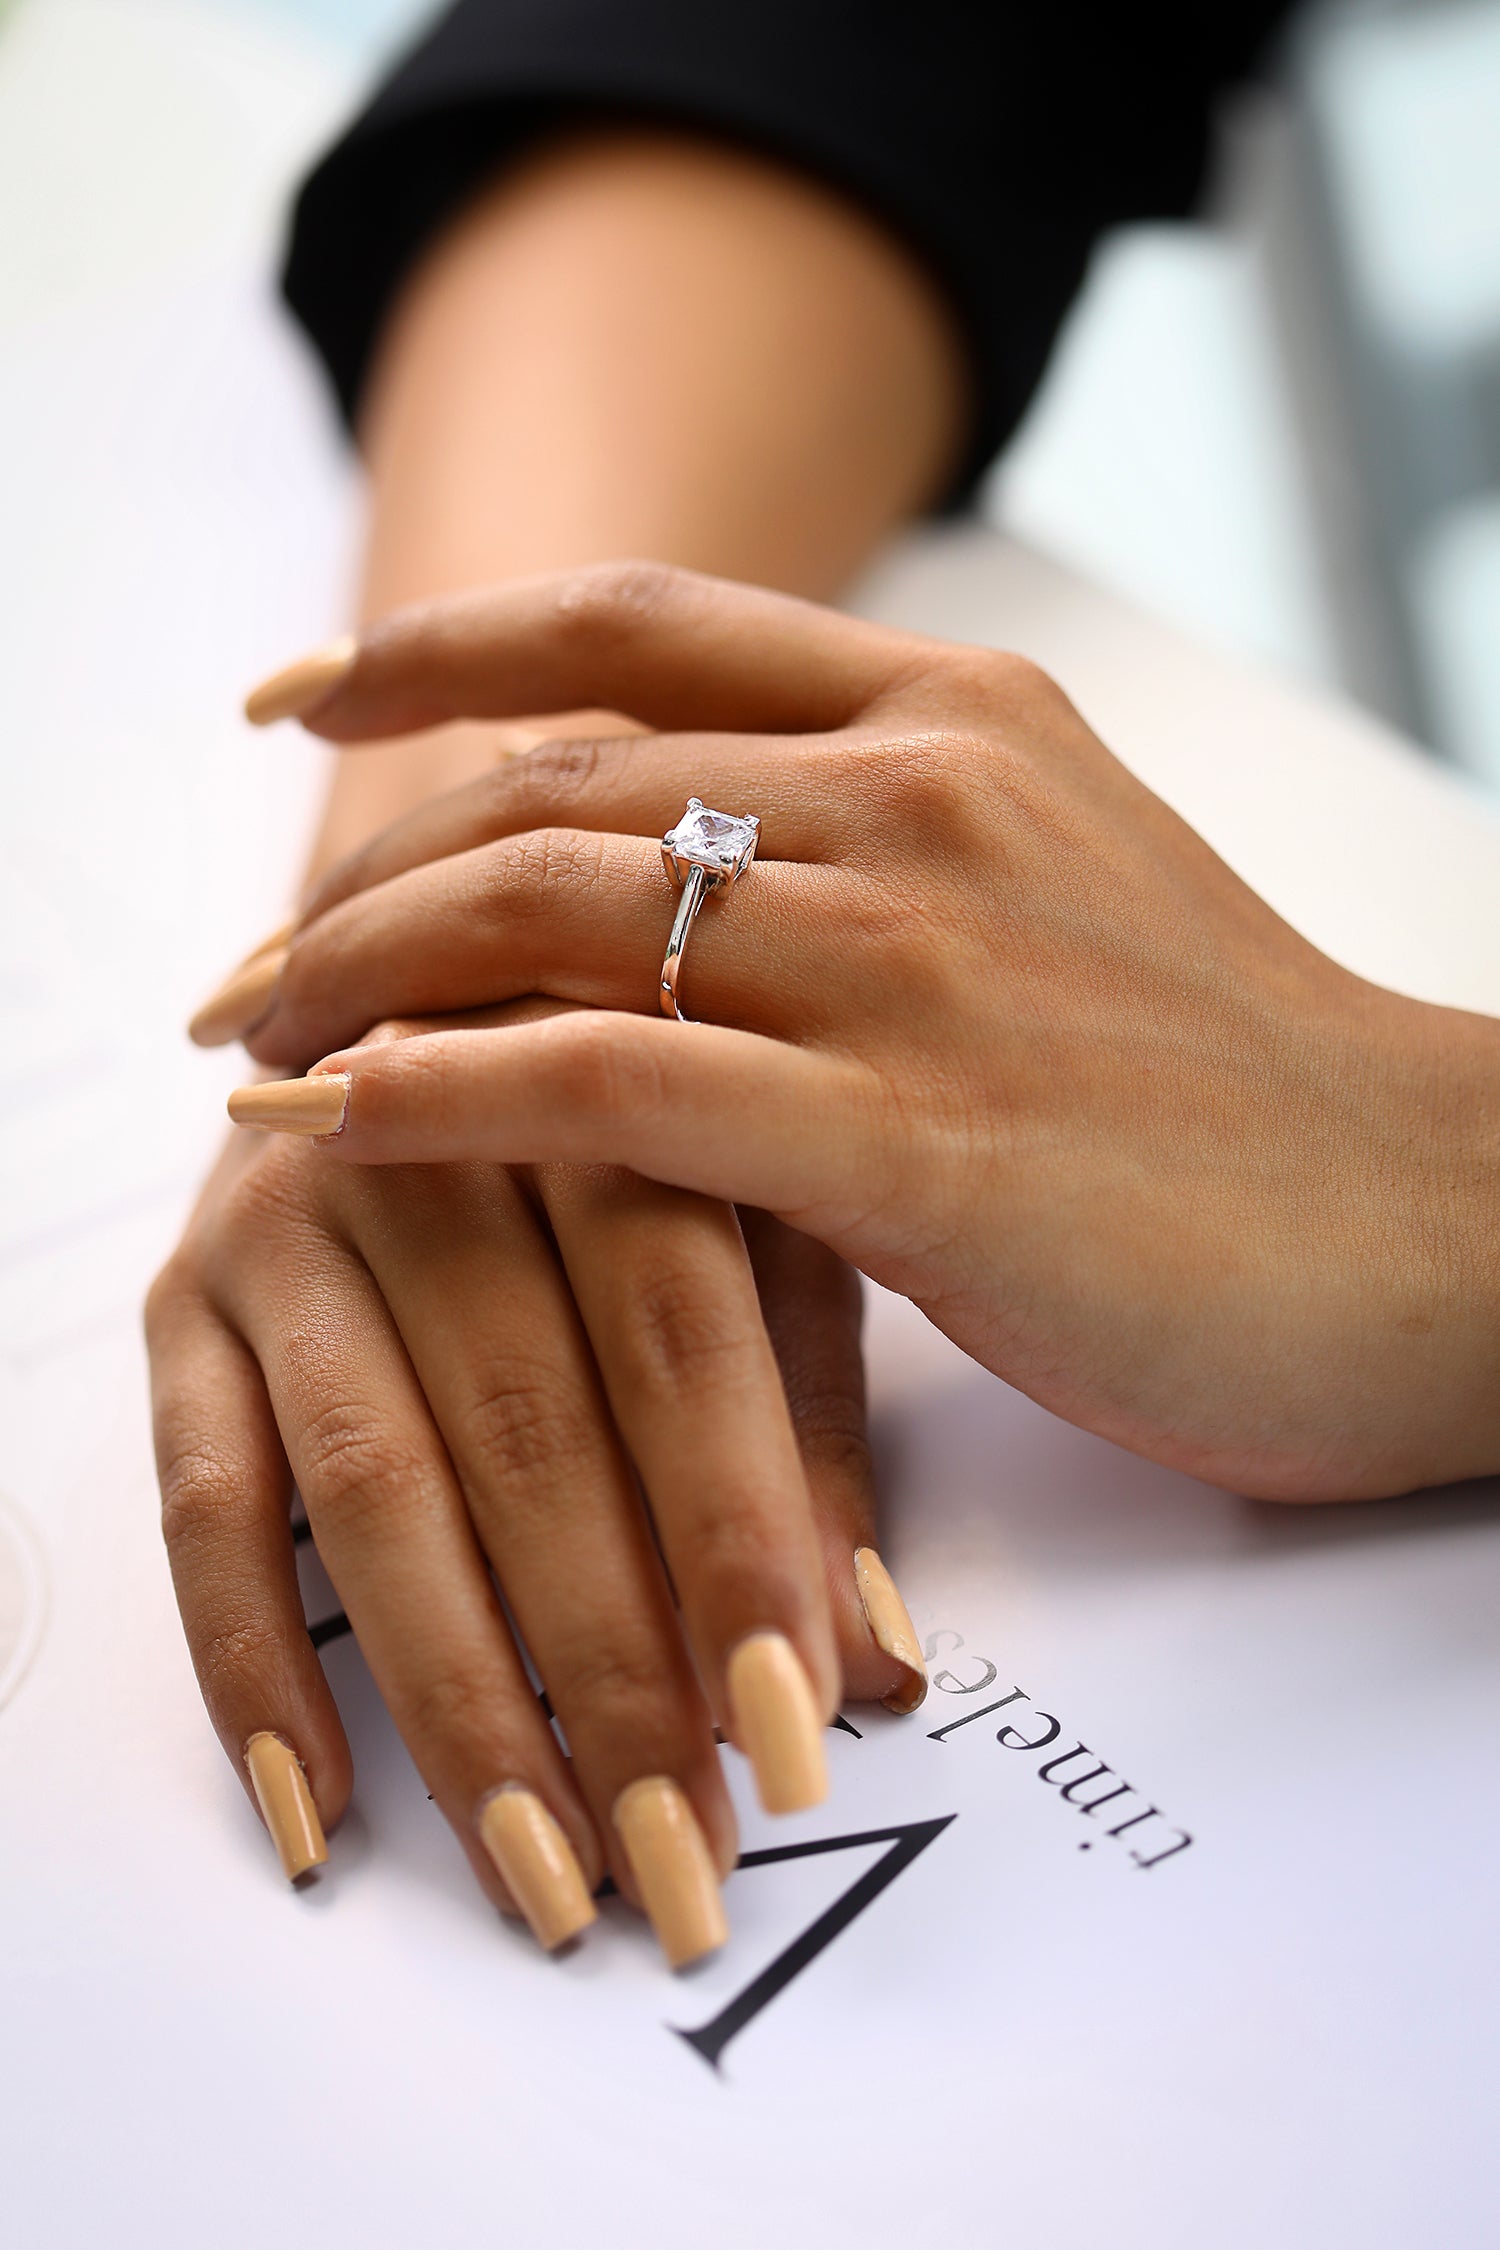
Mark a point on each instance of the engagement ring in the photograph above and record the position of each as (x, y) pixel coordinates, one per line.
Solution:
(706, 851)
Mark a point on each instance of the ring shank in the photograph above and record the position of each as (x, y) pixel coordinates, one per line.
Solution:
(694, 891)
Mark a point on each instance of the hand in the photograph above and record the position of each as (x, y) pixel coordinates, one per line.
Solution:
(985, 1017)
(464, 1371)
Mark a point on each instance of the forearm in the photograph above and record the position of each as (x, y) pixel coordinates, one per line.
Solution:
(642, 344)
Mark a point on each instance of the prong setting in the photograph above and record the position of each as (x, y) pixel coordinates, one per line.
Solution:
(721, 844)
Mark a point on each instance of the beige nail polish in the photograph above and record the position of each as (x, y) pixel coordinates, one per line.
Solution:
(670, 1860)
(537, 1865)
(776, 1722)
(293, 1105)
(277, 942)
(299, 688)
(286, 1803)
(892, 1628)
(240, 1001)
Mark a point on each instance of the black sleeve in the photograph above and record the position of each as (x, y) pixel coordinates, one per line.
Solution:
(997, 137)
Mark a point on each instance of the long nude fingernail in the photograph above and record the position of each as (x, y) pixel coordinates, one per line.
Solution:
(293, 1105)
(537, 1865)
(286, 1804)
(892, 1628)
(776, 1723)
(670, 1860)
(299, 688)
(241, 1000)
(276, 942)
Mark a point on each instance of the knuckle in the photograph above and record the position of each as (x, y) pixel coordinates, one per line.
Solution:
(539, 782)
(606, 1075)
(198, 1491)
(933, 785)
(681, 1331)
(229, 1655)
(835, 1444)
(613, 599)
(543, 871)
(626, 1681)
(730, 1548)
(352, 1466)
(447, 1707)
(522, 1423)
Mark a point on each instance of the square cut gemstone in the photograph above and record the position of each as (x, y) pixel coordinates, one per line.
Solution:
(715, 840)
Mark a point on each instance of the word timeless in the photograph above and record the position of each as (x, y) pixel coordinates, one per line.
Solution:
(1029, 1730)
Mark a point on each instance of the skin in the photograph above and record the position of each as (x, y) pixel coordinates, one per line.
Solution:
(633, 341)
(985, 1018)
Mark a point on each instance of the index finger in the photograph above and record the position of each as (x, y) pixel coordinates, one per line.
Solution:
(672, 648)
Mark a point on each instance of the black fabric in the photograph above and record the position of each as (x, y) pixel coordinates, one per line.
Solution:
(998, 139)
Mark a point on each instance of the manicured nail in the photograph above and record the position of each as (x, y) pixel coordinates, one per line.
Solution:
(890, 1624)
(286, 1804)
(239, 1002)
(776, 1723)
(299, 688)
(277, 942)
(670, 1861)
(537, 1865)
(293, 1105)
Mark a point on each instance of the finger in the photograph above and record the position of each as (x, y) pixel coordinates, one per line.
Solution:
(225, 1492)
(566, 913)
(395, 1538)
(812, 1305)
(669, 647)
(666, 1294)
(634, 786)
(511, 1382)
(727, 1113)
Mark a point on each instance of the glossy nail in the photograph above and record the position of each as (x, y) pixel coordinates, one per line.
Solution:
(299, 688)
(293, 1105)
(776, 1722)
(240, 1001)
(286, 1804)
(672, 1866)
(892, 1629)
(537, 1864)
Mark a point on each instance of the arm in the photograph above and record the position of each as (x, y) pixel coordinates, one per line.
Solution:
(639, 343)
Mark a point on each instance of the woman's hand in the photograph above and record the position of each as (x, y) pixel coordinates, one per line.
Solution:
(466, 1373)
(985, 1017)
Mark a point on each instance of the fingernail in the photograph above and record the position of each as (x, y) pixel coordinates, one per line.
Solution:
(776, 1723)
(277, 942)
(286, 1804)
(891, 1625)
(240, 1001)
(537, 1865)
(293, 1105)
(299, 688)
(670, 1860)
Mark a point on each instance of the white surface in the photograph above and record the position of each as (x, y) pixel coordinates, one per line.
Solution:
(1281, 2035)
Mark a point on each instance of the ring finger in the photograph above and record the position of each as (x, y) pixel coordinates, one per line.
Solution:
(577, 916)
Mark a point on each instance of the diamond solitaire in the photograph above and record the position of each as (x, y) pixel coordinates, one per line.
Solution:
(706, 852)
(722, 844)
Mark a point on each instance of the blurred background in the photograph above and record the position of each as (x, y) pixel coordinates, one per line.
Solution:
(1278, 428)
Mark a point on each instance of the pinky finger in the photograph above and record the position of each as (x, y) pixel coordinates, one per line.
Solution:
(727, 1113)
(225, 1487)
